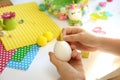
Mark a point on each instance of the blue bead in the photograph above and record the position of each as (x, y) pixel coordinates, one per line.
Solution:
(108, 14)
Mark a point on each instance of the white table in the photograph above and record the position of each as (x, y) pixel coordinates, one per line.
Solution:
(97, 65)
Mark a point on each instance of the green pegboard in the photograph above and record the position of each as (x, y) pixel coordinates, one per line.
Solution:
(21, 53)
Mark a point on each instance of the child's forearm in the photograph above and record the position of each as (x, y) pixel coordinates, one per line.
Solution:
(109, 45)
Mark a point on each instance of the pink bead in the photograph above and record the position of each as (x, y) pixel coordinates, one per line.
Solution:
(62, 17)
(102, 4)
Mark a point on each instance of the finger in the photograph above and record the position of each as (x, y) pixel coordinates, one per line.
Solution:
(53, 59)
(78, 57)
(79, 46)
(71, 38)
(74, 30)
(74, 54)
(73, 46)
(86, 48)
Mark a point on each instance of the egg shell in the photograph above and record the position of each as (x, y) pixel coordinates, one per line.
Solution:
(42, 41)
(62, 50)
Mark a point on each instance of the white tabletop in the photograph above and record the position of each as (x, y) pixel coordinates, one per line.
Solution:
(97, 65)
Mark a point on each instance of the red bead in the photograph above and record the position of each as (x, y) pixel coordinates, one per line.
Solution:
(109, 0)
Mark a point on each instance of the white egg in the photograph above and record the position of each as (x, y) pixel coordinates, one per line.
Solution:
(62, 50)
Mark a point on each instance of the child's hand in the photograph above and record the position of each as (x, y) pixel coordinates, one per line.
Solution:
(72, 70)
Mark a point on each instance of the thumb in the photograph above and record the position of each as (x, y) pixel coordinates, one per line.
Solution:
(53, 59)
(71, 38)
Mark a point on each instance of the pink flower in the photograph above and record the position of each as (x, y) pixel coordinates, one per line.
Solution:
(71, 6)
(8, 15)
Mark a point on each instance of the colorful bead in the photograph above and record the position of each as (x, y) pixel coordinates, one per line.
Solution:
(42, 7)
(98, 8)
(62, 17)
(94, 16)
(109, 0)
(102, 4)
(21, 21)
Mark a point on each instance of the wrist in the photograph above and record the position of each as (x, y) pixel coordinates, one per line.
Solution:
(80, 76)
(95, 41)
(99, 42)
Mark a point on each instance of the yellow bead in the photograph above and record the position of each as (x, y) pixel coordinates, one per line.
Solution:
(94, 16)
(56, 13)
(49, 10)
(42, 41)
(85, 54)
(1, 28)
(48, 35)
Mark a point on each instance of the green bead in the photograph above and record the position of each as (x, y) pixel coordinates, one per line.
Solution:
(21, 21)
(98, 8)
(42, 7)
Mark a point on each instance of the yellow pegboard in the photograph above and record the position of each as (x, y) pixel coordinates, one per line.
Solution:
(35, 24)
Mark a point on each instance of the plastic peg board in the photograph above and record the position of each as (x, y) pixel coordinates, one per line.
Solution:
(5, 56)
(26, 62)
(21, 53)
(35, 23)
